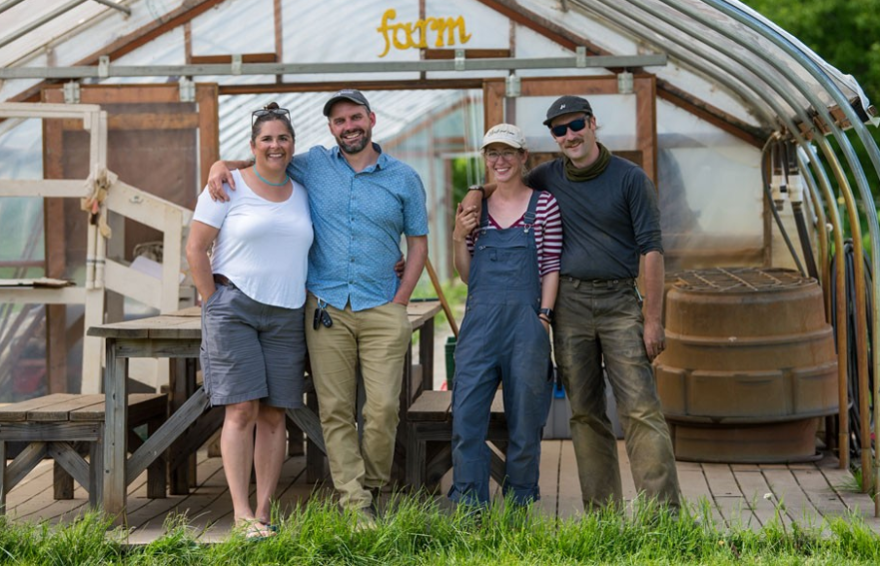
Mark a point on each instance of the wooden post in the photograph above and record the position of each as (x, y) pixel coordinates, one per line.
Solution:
(115, 437)
(436, 282)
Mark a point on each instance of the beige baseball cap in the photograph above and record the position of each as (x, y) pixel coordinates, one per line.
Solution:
(508, 134)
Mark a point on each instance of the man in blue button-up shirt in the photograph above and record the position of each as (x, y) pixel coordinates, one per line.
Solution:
(362, 201)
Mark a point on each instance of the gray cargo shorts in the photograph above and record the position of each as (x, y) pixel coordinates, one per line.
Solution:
(252, 351)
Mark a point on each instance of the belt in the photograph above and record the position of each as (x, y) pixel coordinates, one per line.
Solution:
(607, 283)
(223, 280)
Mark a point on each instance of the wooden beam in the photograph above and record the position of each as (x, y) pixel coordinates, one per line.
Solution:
(70, 461)
(718, 118)
(55, 253)
(128, 43)
(416, 84)
(543, 26)
(147, 121)
(53, 299)
(209, 132)
(246, 58)
(22, 263)
(508, 8)
(46, 188)
(187, 43)
(665, 90)
(445, 54)
(121, 94)
(646, 123)
(159, 26)
(26, 461)
(279, 35)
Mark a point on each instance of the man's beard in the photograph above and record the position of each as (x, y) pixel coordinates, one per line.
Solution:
(355, 147)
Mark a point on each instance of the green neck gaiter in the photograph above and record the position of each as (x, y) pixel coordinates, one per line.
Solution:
(591, 171)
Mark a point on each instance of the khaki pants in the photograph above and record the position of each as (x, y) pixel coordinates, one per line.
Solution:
(374, 340)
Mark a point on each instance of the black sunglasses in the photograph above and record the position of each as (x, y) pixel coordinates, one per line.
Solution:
(575, 125)
(257, 114)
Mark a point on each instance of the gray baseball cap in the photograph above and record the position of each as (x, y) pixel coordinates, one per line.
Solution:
(350, 95)
(567, 104)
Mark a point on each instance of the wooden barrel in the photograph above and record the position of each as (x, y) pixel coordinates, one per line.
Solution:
(749, 366)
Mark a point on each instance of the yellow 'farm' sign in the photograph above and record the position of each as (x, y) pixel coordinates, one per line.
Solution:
(414, 35)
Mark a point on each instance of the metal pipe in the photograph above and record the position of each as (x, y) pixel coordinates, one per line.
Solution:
(814, 209)
(650, 24)
(840, 313)
(39, 22)
(9, 4)
(500, 64)
(124, 9)
(682, 53)
(818, 208)
(818, 105)
(860, 311)
(867, 198)
(803, 231)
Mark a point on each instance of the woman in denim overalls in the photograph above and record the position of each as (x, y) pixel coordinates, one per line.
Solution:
(505, 333)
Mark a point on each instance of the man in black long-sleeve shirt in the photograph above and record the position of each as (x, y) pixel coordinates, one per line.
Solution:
(611, 221)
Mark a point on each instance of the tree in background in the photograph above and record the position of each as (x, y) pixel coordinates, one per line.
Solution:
(843, 32)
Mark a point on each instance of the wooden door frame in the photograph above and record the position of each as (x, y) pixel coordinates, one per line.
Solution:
(58, 338)
(644, 88)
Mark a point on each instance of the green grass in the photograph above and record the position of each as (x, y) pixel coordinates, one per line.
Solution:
(418, 532)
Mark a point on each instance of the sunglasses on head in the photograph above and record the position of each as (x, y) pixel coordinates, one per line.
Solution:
(257, 114)
(574, 125)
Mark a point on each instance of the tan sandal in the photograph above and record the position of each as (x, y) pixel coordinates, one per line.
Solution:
(254, 530)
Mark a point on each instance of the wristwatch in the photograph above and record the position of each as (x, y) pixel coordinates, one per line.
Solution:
(546, 312)
(477, 188)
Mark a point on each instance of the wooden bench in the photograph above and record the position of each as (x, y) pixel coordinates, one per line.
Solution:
(429, 436)
(59, 426)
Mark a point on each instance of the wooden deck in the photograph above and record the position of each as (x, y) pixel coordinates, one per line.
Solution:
(737, 494)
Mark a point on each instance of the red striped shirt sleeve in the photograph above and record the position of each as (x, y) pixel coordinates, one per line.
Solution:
(548, 234)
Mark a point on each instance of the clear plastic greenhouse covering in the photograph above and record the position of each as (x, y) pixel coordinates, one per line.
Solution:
(730, 80)
(333, 31)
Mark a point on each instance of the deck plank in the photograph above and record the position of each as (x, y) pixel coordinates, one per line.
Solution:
(844, 485)
(695, 491)
(812, 490)
(758, 493)
(626, 478)
(570, 503)
(548, 481)
(728, 497)
(789, 495)
(211, 483)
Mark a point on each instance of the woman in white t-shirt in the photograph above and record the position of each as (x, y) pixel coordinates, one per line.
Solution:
(248, 257)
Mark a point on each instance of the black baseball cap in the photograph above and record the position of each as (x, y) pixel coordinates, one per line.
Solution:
(350, 95)
(567, 104)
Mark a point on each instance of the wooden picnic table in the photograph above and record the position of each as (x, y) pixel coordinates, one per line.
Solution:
(177, 336)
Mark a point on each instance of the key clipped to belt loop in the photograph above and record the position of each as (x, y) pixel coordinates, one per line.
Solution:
(322, 316)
